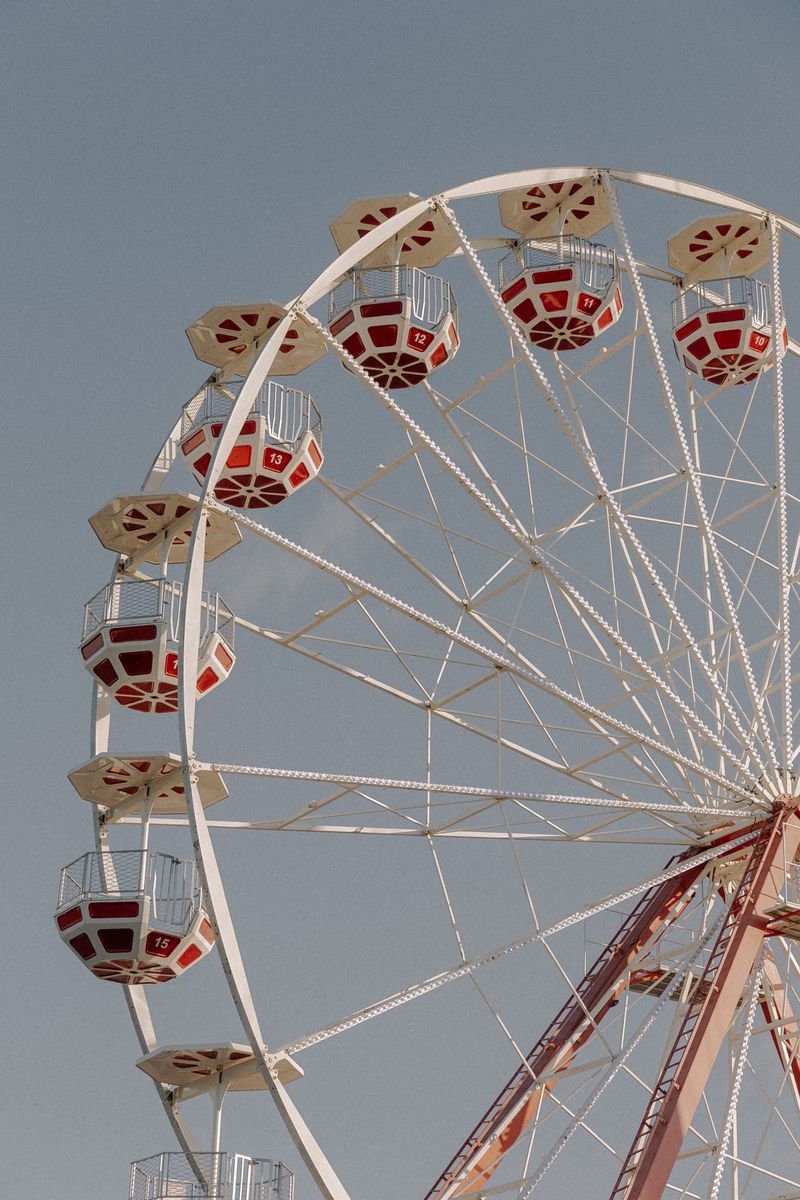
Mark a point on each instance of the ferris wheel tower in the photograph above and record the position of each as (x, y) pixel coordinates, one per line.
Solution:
(586, 569)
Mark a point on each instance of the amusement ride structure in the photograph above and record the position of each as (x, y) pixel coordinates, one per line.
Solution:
(549, 541)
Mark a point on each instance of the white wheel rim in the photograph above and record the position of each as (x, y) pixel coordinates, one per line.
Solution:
(747, 753)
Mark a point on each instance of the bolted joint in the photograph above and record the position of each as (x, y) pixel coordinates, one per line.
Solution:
(783, 803)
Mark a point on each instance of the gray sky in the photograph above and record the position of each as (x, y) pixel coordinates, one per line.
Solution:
(160, 158)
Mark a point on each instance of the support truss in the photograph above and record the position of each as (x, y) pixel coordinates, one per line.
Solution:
(517, 1105)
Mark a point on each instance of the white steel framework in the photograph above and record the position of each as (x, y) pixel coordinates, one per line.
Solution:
(556, 596)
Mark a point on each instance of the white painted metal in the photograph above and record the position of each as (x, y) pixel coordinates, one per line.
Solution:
(720, 258)
(229, 1062)
(497, 794)
(499, 661)
(431, 247)
(233, 965)
(787, 711)
(730, 1116)
(426, 986)
(135, 997)
(591, 465)
(110, 526)
(748, 766)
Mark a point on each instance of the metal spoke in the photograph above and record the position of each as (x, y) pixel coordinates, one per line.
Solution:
(572, 645)
(590, 712)
(692, 474)
(783, 531)
(433, 983)
(594, 470)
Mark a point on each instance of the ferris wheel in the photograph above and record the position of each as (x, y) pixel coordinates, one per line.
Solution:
(517, 649)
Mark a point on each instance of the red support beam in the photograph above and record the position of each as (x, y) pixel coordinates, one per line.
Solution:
(785, 1031)
(517, 1105)
(647, 1168)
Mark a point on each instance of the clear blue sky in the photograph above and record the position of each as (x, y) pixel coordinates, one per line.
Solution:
(161, 157)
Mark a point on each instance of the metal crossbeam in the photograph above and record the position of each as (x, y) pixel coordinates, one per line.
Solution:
(658, 1141)
(518, 1103)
